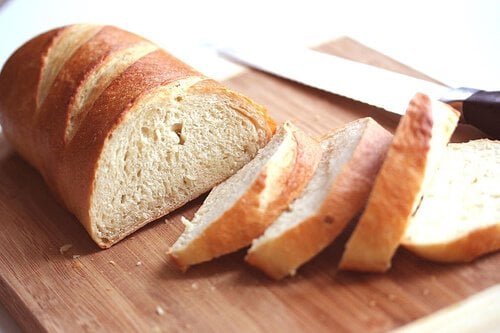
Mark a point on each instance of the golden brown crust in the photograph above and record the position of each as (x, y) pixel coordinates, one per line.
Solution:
(19, 81)
(69, 166)
(244, 221)
(397, 188)
(282, 255)
(463, 249)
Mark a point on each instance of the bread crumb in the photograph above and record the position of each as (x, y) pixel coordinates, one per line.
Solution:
(372, 303)
(139, 263)
(63, 249)
(187, 224)
(76, 264)
(76, 256)
(194, 285)
(426, 292)
(160, 311)
(212, 288)
(112, 263)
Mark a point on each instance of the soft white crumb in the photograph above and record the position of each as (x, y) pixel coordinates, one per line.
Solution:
(160, 311)
(63, 249)
(194, 285)
(139, 263)
(111, 262)
(76, 256)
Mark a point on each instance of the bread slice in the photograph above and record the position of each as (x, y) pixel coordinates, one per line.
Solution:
(122, 132)
(459, 217)
(241, 208)
(338, 190)
(419, 141)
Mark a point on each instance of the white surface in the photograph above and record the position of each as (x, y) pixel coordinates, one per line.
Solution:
(456, 42)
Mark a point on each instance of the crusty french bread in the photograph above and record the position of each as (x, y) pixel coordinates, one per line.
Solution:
(458, 219)
(240, 209)
(122, 131)
(338, 190)
(419, 141)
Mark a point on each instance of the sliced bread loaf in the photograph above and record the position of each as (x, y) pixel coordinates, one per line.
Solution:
(419, 141)
(338, 190)
(122, 131)
(241, 208)
(459, 217)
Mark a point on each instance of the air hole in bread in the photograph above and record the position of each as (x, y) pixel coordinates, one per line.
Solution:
(149, 134)
(177, 129)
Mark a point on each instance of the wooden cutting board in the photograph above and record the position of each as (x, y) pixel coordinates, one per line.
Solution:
(134, 287)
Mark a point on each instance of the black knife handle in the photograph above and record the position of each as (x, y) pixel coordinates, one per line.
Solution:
(482, 109)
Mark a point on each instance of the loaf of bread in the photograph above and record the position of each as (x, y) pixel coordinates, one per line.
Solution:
(241, 208)
(338, 190)
(121, 131)
(419, 141)
(458, 219)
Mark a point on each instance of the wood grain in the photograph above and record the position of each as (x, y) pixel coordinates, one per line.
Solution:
(123, 288)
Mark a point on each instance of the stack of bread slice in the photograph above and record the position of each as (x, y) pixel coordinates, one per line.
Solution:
(336, 193)
(361, 166)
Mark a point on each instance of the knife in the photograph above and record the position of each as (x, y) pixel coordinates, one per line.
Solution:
(368, 84)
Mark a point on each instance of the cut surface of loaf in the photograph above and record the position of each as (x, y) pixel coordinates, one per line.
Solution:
(458, 219)
(419, 141)
(122, 131)
(238, 210)
(338, 190)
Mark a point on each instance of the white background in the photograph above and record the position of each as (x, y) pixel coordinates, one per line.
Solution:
(456, 42)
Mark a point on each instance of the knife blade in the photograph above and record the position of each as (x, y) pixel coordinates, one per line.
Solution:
(365, 83)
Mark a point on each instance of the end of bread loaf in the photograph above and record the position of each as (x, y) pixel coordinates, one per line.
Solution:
(337, 191)
(419, 141)
(239, 210)
(121, 131)
(176, 144)
(458, 219)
